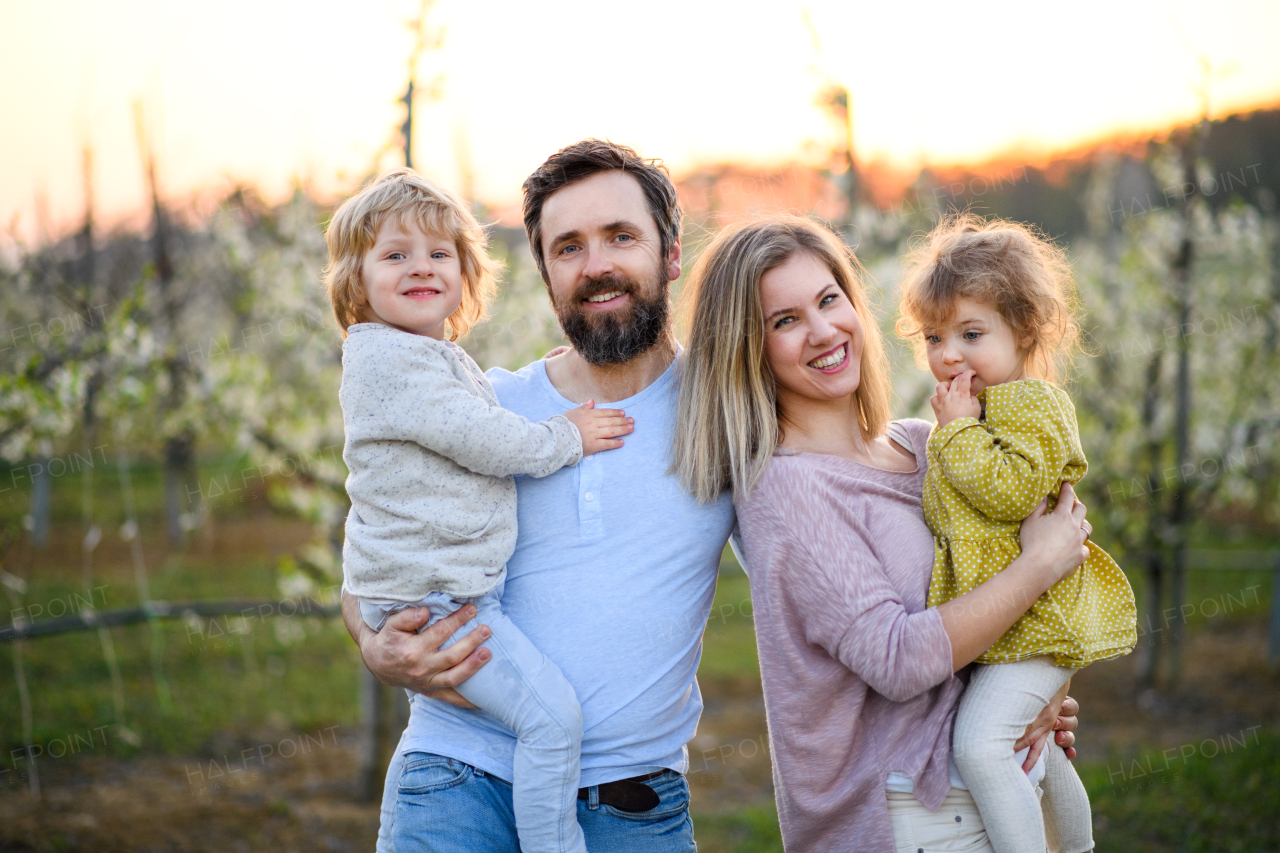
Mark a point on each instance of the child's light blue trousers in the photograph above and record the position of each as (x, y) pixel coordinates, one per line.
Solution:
(528, 693)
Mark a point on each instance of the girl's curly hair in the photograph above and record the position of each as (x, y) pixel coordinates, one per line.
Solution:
(1007, 265)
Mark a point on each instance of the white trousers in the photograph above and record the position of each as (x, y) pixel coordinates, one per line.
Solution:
(996, 708)
(956, 825)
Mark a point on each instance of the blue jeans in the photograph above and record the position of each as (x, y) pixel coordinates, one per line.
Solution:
(526, 691)
(445, 806)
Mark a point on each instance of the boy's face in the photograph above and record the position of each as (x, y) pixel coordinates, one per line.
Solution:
(975, 338)
(412, 280)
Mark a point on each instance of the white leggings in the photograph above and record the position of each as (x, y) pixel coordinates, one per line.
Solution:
(996, 708)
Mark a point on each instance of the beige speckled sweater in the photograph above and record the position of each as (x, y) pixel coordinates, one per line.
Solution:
(856, 671)
(431, 457)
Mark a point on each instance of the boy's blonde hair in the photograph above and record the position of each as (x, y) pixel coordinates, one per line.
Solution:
(727, 415)
(404, 195)
(1006, 265)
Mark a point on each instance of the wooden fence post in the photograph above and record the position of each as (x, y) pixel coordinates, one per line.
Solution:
(1273, 652)
(384, 714)
(370, 723)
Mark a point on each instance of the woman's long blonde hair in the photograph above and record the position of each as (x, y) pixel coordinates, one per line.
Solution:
(727, 419)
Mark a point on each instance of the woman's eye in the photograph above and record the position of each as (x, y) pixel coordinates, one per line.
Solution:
(782, 322)
(827, 300)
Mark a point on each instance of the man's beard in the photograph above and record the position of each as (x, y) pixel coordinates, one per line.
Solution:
(614, 337)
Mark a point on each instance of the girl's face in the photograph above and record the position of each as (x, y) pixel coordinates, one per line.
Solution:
(812, 334)
(412, 280)
(975, 338)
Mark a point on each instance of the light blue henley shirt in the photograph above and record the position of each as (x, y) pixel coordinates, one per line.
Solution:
(612, 578)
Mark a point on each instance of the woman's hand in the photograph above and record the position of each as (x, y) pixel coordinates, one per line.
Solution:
(1055, 541)
(398, 655)
(1053, 546)
(1058, 717)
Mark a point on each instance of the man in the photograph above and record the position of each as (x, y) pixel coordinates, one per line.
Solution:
(615, 566)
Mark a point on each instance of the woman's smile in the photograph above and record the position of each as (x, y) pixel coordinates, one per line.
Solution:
(832, 361)
(813, 337)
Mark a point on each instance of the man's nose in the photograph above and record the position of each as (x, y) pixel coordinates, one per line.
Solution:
(598, 263)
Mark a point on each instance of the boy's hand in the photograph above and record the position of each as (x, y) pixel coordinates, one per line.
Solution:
(600, 428)
(952, 400)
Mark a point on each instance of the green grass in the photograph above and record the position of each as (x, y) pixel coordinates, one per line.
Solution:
(751, 830)
(232, 683)
(1213, 800)
(226, 678)
(729, 645)
(1226, 802)
(68, 472)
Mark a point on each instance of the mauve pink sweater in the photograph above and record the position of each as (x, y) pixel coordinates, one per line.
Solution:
(856, 671)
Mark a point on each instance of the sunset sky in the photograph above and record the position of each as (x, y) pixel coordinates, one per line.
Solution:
(274, 91)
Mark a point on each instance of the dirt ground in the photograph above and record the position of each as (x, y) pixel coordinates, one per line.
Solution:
(306, 801)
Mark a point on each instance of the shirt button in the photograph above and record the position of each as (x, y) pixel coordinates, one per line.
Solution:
(590, 496)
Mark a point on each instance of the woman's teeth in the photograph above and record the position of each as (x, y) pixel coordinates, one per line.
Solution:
(829, 360)
(605, 297)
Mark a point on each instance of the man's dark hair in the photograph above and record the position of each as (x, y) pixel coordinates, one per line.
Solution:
(586, 158)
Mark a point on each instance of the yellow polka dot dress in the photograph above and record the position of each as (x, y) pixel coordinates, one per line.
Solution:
(985, 476)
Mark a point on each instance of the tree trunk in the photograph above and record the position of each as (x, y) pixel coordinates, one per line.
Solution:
(372, 733)
(179, 459)
(1178, 520)
(1148, 661)
(41, 500)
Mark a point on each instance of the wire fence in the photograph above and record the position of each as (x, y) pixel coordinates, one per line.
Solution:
(383, 711)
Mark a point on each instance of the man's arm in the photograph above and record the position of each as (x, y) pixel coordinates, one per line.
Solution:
(398, 655)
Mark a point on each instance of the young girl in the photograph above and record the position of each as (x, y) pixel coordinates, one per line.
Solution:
(432, 456)
(990, 303)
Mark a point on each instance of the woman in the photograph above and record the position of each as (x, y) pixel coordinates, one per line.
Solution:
(785, 400)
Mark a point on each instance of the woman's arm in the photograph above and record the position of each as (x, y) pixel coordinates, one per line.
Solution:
(1053, 545)
(814, 569)
(398, 655)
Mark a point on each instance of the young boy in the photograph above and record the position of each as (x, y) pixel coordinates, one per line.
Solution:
(432, 456)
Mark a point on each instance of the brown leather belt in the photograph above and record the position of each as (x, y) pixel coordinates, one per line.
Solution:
(628, 795)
